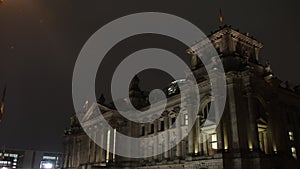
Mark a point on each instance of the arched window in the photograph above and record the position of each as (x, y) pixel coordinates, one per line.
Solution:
(205, 112)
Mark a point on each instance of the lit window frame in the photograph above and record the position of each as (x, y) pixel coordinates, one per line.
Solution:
(291, 136)
(186, 119)
(294, 152)
(214, 141)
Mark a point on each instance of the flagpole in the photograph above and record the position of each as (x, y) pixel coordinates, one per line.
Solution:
(221, 17)
(2, 104)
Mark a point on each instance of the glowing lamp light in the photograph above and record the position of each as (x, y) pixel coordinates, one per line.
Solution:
(250, 145)
(226, 148)
(196, 151)
(275, 149)
(48, 165)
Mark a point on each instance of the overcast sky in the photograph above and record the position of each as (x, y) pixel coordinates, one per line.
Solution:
(40, 41)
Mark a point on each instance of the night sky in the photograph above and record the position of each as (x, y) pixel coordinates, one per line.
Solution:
(40, 41)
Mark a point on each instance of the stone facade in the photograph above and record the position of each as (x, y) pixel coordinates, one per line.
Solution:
(259, 127)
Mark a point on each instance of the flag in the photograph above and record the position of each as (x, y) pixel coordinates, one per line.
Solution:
(221, 17)
(3, 152)
(2, 104)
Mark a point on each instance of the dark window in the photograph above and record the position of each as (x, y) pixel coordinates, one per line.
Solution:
(143, 130)
(152, 129)
(208, 108)
(162, 125)
(173, 120)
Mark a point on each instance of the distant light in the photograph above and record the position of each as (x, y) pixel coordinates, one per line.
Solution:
(196, 151)
(250, 145)
(48, 165)
(294, 152)
(86, 103)
(291, 136)
(178, 81)
(275, 149)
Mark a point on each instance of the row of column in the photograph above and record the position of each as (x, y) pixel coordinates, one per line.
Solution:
(83, 150)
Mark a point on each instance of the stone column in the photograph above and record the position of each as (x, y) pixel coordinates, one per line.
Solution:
(201, 150)
(190, 103)
(73, 152)
(178, 136)
(70, 154)
(190, 138)
(197, 136)
(234, 144)
(102, 151)
(155, 141)
(97, 147)
(166, 142)
(253, 131)
(205, 146)
(78, 152)
(220, 139)
(66, 158)
(92, 145)
(146, 144)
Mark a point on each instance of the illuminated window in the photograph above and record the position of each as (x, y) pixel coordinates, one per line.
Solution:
(49, 157)
(291, 136)
(186, 119)
(13, 155)
(294, 153)
(214, 144)
(46, 165)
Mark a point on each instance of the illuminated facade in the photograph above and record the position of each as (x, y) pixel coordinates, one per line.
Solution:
(259, 127)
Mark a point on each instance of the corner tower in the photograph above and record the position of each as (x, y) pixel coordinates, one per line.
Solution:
(229, 42)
